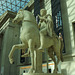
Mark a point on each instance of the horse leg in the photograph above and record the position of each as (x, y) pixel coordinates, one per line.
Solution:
(57, 51)
(31, 48)
(18, 46)
(51, 55)
(43, 33)
(61, 49)
(58, 62)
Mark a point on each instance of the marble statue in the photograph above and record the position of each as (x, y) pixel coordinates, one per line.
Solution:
(45, 25)
(45, 38)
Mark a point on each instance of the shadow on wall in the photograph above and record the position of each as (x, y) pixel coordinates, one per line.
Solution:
(73, 25)
(66, 27)
(71, 16)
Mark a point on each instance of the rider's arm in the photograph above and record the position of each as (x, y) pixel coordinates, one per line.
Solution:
(39, 24)
(42, 18)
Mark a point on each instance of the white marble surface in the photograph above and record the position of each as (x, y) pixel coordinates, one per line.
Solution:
(40, 74)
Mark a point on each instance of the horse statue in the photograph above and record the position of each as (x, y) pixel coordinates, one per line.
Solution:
(30, 39)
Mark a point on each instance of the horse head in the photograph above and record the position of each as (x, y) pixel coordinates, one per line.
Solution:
(24, 15)
(19, 16)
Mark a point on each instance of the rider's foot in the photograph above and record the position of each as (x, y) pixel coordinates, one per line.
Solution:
(40, 48)
(25, 55)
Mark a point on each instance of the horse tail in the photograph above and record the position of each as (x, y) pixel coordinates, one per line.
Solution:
(61, 49)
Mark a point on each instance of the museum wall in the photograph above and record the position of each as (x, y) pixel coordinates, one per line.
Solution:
(68, 16)
(47, 4)
(0, 49)
(11, 37)
(67, 8)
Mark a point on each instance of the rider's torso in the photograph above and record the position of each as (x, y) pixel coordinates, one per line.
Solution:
(43, 25)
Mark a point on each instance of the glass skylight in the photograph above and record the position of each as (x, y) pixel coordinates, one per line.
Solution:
(12, 5)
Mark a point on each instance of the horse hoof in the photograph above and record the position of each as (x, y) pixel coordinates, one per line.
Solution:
(13, 63)
(30, 70)
(11, 60)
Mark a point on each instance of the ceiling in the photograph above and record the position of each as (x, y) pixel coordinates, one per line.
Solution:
(12, 5)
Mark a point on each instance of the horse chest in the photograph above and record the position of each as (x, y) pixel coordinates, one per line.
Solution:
(24, 30)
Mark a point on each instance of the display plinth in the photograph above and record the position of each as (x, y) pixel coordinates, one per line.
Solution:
(41, 74)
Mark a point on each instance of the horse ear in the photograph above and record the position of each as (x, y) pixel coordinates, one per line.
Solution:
(21, 10)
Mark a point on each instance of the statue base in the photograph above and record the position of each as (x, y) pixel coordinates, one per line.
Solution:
(41, 74)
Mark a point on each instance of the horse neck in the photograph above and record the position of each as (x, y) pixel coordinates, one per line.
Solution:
(29, 18)
(27, 22)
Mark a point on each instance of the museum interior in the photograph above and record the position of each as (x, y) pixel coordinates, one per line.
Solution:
(60, 14)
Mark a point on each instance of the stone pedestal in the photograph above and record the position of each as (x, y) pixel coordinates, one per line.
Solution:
(38, 61)
(41, 74)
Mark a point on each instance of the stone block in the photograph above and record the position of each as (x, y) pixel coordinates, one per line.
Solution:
(41, 74)
(68, 68)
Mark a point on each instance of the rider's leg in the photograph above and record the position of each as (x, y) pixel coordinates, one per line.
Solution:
(43, 33)
(49, 30)
(26, 54)
(50, 33)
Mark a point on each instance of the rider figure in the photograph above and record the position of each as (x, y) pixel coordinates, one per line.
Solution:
(46, 26)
